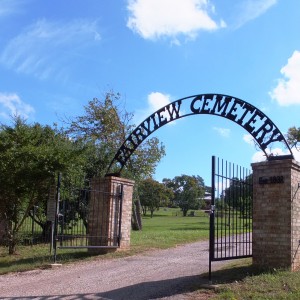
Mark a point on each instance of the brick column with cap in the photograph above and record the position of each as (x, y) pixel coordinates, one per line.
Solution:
(276, 214)
(104, 215)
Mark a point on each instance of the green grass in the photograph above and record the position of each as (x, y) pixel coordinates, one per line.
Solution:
(233, 222)
(164, 230)
(240, 280)
(32, 257)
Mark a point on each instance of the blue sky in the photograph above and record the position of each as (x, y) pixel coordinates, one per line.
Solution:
(57, 55)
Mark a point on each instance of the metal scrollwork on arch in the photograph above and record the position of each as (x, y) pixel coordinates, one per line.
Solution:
(253, 120)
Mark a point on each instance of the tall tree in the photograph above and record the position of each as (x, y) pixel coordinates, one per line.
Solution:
(103, 128)
(153, 195)
(293, 137)
(187, 191)
(238, 194)
(30, 156)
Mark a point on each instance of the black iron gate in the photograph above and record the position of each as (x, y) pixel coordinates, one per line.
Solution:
(88, 217)
(231, 212)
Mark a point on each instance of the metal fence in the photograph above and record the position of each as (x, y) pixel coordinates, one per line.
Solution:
(86, 217)
(89, 217)
(231, 211)
(35, 228)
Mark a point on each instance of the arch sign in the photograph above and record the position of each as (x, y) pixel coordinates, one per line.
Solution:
(254, 121)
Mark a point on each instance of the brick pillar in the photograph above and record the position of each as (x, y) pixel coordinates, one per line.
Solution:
(276, 214)
(104, 213)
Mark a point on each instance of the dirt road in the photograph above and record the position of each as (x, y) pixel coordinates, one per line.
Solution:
(159, 274)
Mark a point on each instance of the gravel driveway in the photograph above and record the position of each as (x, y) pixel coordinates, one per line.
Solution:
(158, 274)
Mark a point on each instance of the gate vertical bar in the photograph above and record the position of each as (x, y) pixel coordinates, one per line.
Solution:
(56, 218)
(120, 197)
(216, 212)
(230, 215)
(211, 217)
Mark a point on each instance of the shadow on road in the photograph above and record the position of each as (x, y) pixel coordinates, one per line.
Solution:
(140, 291)
(158, 289)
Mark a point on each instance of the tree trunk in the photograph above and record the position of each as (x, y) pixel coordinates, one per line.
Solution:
(12, 247)
(144, 209)
(46, 234)
(136, 222)
(139, 213)
(134, 219)
(11, 238)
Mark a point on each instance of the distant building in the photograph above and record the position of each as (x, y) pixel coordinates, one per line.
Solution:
(207, 199)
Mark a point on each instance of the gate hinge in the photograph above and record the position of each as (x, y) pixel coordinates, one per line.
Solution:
(212, 209)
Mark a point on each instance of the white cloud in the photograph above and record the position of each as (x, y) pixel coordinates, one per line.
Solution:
(248, 10)
(224, 132)
(155, 101)
(248, 138)
(168, 18)
(45, 47)
(221, 186)
(260, 156)
(287, 92)
(12, 105)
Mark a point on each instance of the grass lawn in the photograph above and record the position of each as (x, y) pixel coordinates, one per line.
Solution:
(240, 280)
(167, 229)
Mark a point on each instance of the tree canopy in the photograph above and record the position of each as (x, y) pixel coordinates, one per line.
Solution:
(293, 137)
(30, 157)
(102, 128)
(153, 195)
(238, 194)
(188, 191)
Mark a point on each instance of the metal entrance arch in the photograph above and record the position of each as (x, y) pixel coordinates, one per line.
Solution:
(264, 132)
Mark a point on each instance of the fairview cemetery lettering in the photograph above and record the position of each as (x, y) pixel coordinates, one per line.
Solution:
(254, 121)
